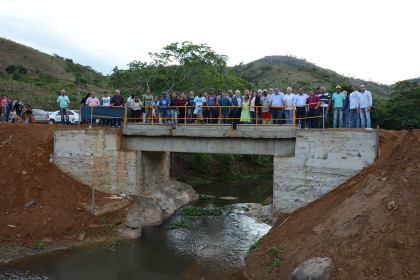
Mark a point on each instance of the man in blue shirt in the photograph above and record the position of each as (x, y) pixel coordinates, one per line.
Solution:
(63, 102)
(212, 102)
(225, 108)
(164, 103)
(276, 103)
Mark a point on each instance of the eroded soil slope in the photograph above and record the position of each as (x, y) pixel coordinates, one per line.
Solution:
(353, 225)
(25, 175)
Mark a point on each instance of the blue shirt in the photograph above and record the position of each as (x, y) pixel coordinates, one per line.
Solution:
(365, 99)
(346, 106)
(300, 100)
(164, 103)
(277, 99)
(224, 102)
(212, 100)
(63, 100)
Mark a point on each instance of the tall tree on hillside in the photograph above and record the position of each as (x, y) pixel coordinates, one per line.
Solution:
(179, 67)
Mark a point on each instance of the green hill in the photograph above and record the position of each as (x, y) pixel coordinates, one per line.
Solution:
(37, 77)
(284, 71)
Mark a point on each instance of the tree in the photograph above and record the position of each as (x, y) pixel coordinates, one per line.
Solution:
(402, 111)
(80, 81)
(179, 67)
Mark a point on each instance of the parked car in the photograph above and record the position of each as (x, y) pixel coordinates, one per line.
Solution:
(56, 117)
(40, 116)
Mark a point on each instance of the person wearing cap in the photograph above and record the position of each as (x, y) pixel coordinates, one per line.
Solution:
(212, 102)
(365, 105)
(338, 101)
(354, 107)
(63, 102)
(325, 98)
(164, 103)
(265, 110)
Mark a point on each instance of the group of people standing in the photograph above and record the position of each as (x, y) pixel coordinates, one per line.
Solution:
(259, 106)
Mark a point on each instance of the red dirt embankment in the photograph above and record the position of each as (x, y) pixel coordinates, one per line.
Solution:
(25, 175)
(353, 225)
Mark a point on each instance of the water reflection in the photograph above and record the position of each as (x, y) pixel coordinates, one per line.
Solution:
(212, 248)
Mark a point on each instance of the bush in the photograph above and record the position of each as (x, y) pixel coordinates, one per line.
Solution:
(11, 68)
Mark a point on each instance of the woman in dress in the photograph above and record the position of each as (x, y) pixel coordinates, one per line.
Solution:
(245, 116)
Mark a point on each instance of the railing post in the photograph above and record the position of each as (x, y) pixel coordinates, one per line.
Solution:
(91, 115)
(294, 117)
(125, 116)
(256, 117)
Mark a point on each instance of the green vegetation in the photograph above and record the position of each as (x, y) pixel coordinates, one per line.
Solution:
(39, 245)
(111, 245)
(192, 213)
(255, 243)
(275, 254)
(183, 223)
(206, 196)
(109, 214)
(196, 211)
(401, 111)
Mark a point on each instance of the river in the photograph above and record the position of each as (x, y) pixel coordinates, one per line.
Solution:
(213, 248)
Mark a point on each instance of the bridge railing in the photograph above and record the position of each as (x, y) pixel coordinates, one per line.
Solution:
(189, 115)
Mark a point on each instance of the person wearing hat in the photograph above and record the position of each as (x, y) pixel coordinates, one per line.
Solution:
(212, 102)
(338, 101)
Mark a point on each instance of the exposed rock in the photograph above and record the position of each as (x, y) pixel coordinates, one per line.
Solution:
(391, 205)
(151, 209)
(314, 269)
(262, 213)
(144, 212)
(228, 198)
(129, 233)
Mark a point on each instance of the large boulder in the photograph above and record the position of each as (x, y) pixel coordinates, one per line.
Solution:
(144, 212)
(150, 209)
(313, 269)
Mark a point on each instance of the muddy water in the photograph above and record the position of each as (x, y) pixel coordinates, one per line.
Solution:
(211, 249)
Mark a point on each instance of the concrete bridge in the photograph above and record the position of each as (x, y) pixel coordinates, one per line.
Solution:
(307, 163)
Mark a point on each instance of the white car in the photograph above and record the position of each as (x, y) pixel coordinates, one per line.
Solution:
(56, 117)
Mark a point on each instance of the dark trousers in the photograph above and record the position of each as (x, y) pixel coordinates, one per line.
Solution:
(276, 114)
(313, 121)
(181, 115)
(214, 115)
(206, 115)
(64, 113)
(300, 116)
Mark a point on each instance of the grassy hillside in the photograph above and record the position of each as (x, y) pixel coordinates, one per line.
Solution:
(284, 71)
(37, 77)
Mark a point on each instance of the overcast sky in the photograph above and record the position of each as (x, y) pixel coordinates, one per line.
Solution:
(369, 39)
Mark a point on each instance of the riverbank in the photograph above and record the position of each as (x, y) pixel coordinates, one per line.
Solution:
(43, 209)
(369, 226)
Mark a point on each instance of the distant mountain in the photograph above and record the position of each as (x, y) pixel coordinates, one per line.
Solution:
(38, 77)
(284, 71)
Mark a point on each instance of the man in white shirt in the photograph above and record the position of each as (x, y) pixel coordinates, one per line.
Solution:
(106, 101)
(276, 102)
(365, 105)
(300, 102)
(289, 100)
(354, 107)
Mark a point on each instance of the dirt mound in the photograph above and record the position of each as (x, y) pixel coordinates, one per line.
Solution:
(27, 175)
(369, 226)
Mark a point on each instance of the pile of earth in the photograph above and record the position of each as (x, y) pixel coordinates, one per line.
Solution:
(56, 212)
(369, 226)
